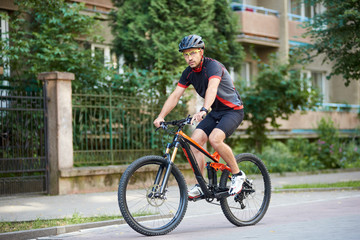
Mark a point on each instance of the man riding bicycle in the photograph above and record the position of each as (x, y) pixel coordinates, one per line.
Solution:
(212, 82)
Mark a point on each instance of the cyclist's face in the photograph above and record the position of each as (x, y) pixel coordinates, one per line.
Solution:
(193, 56)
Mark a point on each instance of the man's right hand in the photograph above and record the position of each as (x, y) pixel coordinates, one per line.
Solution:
(158, 121)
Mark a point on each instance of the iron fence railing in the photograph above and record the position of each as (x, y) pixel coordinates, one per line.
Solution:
(113, 129)
(23, 143)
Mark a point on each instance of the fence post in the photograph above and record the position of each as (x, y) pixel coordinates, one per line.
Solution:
(60, 135)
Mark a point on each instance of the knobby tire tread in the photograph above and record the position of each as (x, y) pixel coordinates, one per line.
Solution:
(122, 193)
(267, 181)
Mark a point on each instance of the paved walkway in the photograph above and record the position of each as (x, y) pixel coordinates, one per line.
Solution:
(22, 208)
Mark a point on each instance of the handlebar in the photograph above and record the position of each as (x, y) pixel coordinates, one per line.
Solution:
(179, 123)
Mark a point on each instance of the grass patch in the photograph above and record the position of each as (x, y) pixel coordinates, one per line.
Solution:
(41, 223)
(323, 185)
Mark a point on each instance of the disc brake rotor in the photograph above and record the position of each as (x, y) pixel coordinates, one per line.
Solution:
(153, 197)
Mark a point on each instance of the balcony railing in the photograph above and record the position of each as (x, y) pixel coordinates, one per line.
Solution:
(298, 18)
(336, 107)
(251, 8)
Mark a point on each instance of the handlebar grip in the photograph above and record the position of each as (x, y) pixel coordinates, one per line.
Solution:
(163, 125)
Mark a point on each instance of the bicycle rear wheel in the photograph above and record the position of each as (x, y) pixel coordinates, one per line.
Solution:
(250, 205)
(141, 204)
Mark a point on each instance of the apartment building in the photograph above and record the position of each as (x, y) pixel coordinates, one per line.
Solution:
(271, 26)
(276, 26)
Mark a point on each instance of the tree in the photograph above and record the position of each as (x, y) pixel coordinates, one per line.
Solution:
(335, 34)
(147, 34)
(279, 91)
(48, 35)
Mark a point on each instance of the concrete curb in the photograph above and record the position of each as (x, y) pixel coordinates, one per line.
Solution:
(51, 231)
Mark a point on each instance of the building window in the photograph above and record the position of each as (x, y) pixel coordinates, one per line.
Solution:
(103, 52)
(303, 11)
(244, 75)
(317, 81)
(4, 34)
(109, 56)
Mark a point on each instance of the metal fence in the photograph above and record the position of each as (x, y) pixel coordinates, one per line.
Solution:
(113, 129)
(23, 141)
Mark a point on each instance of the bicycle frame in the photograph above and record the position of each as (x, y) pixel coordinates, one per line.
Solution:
(151, 176)
(181, 139)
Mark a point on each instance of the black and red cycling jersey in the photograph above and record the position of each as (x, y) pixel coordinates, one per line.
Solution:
(226, 98)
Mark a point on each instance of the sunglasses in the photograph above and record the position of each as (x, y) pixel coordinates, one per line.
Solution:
(192, 53)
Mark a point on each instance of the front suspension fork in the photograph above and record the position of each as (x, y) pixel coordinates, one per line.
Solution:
(170, 162)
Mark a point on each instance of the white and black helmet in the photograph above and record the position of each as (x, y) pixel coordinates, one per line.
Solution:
(191, 41)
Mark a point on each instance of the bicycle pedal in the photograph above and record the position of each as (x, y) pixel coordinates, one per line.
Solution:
(196, 198)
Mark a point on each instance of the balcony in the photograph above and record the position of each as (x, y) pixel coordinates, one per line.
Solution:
(344, 116)
(258, 25)
(296, 30)
(261, 26)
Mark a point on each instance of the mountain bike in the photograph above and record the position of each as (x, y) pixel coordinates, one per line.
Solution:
(153, 195)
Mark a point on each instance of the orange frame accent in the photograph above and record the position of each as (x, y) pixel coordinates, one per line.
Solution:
(219, 166)
(215, 156)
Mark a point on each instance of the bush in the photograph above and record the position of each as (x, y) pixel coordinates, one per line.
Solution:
(328, 145)
(306, 153)
(350, 155)
(301, 154)
(278, 158)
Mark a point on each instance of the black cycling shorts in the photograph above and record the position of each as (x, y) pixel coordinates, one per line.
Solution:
(227, 121)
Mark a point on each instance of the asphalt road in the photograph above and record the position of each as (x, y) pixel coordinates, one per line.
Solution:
(303, 215)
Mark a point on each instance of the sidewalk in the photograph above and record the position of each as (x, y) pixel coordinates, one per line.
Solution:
(24, 208)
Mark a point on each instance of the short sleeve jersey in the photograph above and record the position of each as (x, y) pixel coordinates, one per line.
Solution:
(226, 98)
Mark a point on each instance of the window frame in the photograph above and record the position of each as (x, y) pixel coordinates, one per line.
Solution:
(4, 34)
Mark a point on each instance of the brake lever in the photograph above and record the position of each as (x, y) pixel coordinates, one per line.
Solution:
(163, 125)
(188, 119)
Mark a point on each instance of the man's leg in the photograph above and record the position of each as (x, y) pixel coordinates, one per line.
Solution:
(216, 140)
(201, 138)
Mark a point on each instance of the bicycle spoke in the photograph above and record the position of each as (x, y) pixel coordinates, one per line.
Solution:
(144, 207)
(250, 205)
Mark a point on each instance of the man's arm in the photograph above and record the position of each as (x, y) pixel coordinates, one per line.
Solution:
(169, 105)
(210, 96)
(211, 92)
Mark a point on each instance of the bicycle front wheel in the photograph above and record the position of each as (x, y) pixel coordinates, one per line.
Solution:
(143, 206)
(250, 205)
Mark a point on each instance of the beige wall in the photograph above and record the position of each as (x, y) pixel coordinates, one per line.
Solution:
(310, 120)
(7, 5)
(270, 4)
(100, 5)
(296, 32)
(103, 28)
(339, 93)
(258, 24)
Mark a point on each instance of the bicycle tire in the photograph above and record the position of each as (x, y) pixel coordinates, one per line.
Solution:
(159, 215)
(250, 205)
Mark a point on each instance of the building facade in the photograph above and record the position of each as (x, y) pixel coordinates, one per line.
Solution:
(276, 26)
